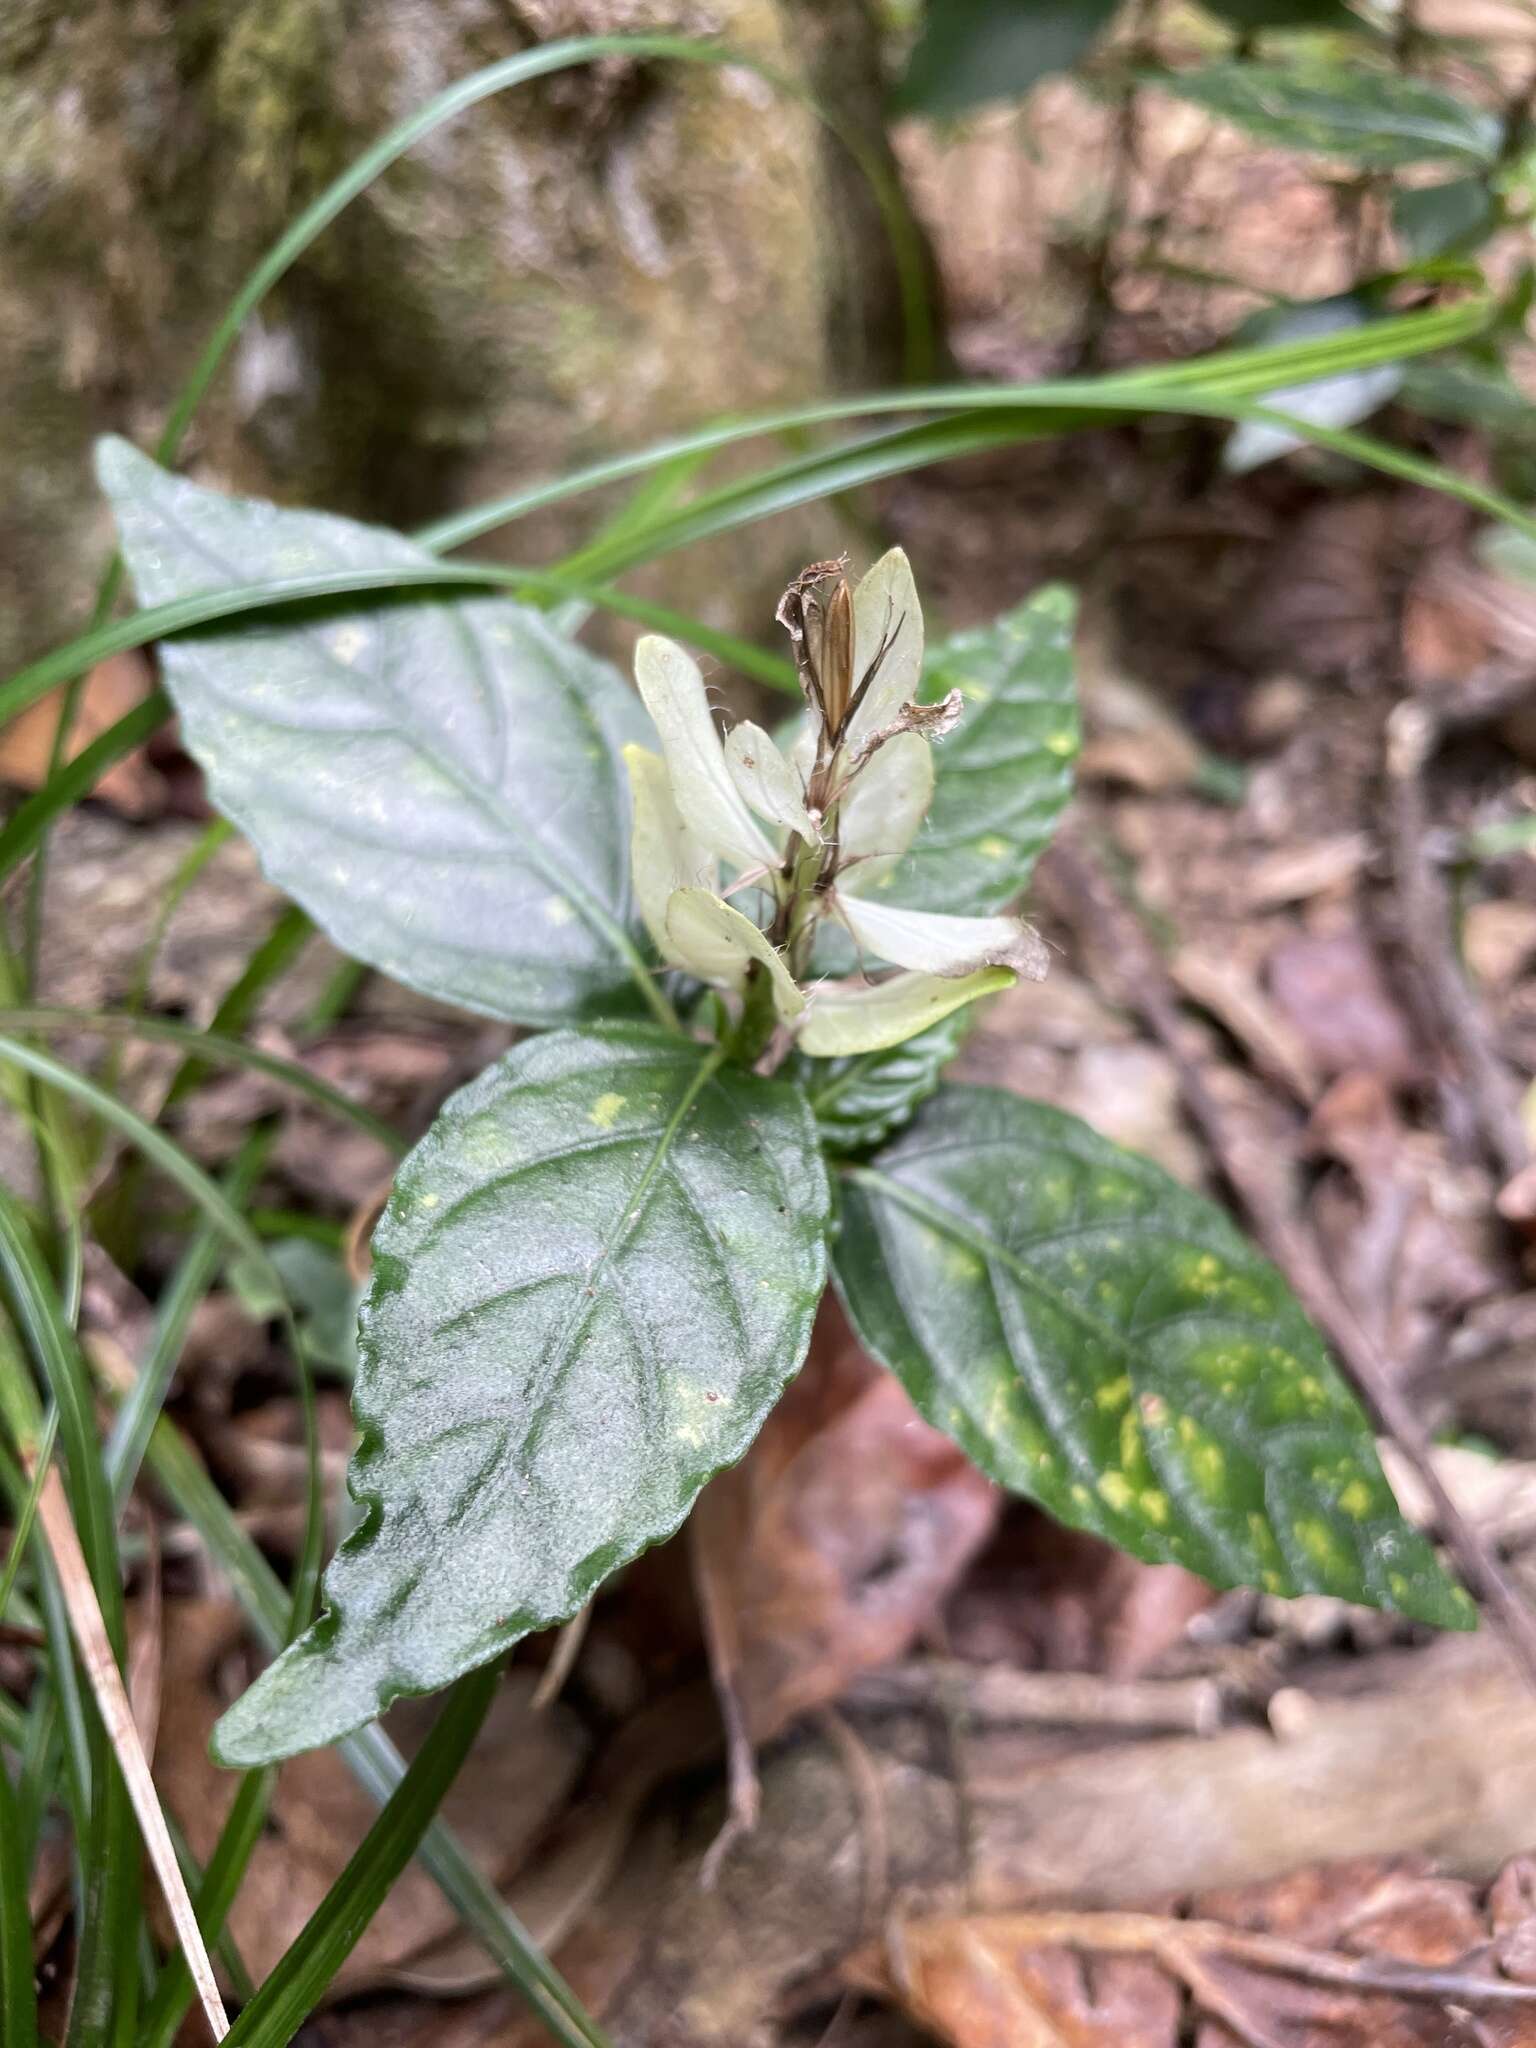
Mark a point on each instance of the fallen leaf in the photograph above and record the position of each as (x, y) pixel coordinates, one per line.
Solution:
(1407, 1232)
(1041, 1597)
(1222, 985)
(1498, 940)
(1293, 874)
(1374, 1955)
(1334, 995)
(978, 1985)
(1130, 1094)
(113, 688)
(839, 1535)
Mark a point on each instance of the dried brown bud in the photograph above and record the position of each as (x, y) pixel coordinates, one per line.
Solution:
(817, 613)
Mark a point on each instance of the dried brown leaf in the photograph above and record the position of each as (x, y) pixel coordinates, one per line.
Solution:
(834, 1542)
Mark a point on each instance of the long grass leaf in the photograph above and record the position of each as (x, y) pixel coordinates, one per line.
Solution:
(18, 1987)
(221, 1881)
(77, 778)
(102, 1661)
(104, 1995)
(211, 1048)
(301, 1979)
(369, 1755)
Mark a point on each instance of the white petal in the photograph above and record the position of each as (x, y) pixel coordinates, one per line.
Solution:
(885, 609)
(663, 854)
(846, 1019)
(945, 945)
(702, 789)
(802, 749)
(879, 817)
(767, 781)
(718, 944)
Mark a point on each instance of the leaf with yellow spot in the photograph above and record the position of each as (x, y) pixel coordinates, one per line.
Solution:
(1004, 775)
(595, 1276)
(1033, 1286)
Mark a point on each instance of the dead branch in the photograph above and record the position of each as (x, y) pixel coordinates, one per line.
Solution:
(998, 1696)
(1454, 1013)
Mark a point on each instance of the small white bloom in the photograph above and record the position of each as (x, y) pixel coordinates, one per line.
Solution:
(888, 617)
(770, 784)
(710, 803)
(935, 944)
(882, 811)
(847, 1019)
(844, 804)
(663, 854)
(718, 944)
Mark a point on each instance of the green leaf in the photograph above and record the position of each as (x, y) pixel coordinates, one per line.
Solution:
(1005, 774)
(1252, 15)
(861, 1099)
(594, 1278)
(437, 782)
(1328, 401)
(971, 51)
(1438, 220)
(1474, 391)
(1377, 119)
(1099, 1339)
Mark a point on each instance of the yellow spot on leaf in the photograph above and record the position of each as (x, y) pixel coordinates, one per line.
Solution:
(1154, 1505)
(1115, 1488)
(604, 1112)
(557, 910)
(1356, 1499)
(1208, 1463)
(1114, 1394)
(993, 848)
(1319, 1542)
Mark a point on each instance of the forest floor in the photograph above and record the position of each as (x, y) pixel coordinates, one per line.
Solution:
(1014, 1788)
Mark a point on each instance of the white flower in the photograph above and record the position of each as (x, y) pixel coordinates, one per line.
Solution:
(814, 829)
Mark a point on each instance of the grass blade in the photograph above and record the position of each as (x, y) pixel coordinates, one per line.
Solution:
(106, 1845)
(18, 1988)
(300, 1980)
(77, 778)
(1236, 374)
(369, 1755)
(211, 1048)
(193, 1277)
(21, 1534)
(215, 1895)
(1222, 386)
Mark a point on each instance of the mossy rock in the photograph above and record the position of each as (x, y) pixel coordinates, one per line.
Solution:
(580, 265)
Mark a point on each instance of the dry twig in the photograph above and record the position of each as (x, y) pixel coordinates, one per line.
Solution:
(998, 1696)
(1182, 1946)
(1455, 1015)
(90, 1633)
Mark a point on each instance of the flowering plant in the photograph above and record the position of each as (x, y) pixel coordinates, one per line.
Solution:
(741, 969)
(839, 811)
